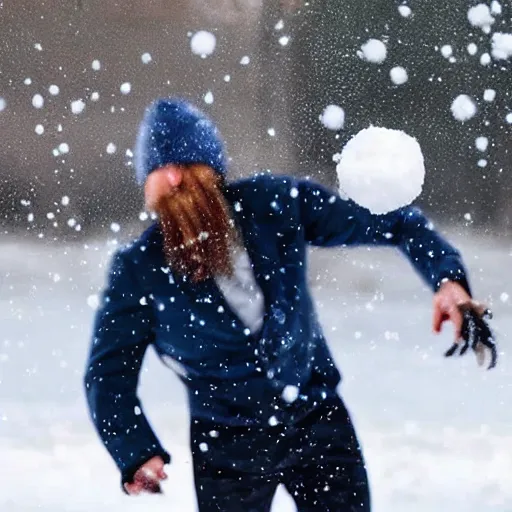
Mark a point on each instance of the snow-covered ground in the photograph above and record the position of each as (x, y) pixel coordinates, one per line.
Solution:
(437, 433)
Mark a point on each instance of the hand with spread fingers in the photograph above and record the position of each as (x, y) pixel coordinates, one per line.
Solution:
(147, 478)
(453, 303)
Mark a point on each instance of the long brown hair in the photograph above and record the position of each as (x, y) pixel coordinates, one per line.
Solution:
(196, 225)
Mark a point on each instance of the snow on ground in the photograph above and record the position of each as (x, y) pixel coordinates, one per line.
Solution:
(436, 433)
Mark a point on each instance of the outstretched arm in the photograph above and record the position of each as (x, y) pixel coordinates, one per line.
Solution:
(122, 332)
(330, 221)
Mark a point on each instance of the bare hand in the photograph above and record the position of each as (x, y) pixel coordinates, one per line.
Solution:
(446, 307)
(147, 478)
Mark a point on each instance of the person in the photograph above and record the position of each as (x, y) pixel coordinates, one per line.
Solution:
(218, 286)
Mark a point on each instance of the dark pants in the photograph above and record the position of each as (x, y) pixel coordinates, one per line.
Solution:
(237, 469)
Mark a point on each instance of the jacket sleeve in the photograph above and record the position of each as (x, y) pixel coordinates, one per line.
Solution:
(328, 220)
(121, 334)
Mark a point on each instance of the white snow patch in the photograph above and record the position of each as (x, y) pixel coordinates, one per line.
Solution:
(95, 96)
(27, 81)
(482, 162)
(404, 10)
(3, 104)
(63, 148)
(39, 129)
(501, 46)
(279, 25)
(489, 95)
(381, 169)
(508, 118)
(115, 227)
(463, 108)
(485, 59)
(208, 98)
(146, 58)
(446, 51)
(96, 65)
(203, 43)
(284, 40)
(227, 78)
(472, 48)
(290, 393)
(125, 88)
(77, 106)
(271, 132)
(480, 16)
(37, 101)
(64, 200)
(93, 301)
(245, 60)
(496, 7)
(398, 75)
(481, 143)
(333, 117)
(111, 148)
(54, 90)
(374, 51)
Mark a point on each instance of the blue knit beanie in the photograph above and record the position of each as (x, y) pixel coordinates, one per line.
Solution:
(174, 131)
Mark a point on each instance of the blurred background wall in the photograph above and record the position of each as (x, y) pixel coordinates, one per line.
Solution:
(285, 86)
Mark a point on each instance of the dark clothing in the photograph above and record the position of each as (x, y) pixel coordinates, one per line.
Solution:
(235, 377)
(318, 460)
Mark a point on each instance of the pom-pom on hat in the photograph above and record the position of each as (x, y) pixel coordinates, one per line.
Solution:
(174, 131)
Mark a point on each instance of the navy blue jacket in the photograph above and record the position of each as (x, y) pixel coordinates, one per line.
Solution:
(233, 376)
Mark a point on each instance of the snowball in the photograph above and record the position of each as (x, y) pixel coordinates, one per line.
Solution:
(96, 65)
(333, 117)
(208, 98)
(482, 162)
(126, 88)
(290, 393)
(111, 148)
(37, 101)
(245, 60)
(446, 51)
(93, 301)
(374, 51)
(481, 143)
(485, 59)
(95, 96)
(504, 297)
(63, 148)
(146, 58)
(398, 75)
(39, 129)
(203, 43)
(54, 90)
(472, 48)
(27, 81)
(279, 25)
(480, 16)
(508, 118)
(38, 47)
(489, 95)
(404, 10)
(71, 222)
(227, 78)
(77, 106)
(273, 421)
(284, 40)
(381, 169)
(203, 447)
(501, 46)
(463, 108)
(64, 201)
(115, 227)
(271, 132)
(2, 104)
(495, 7)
